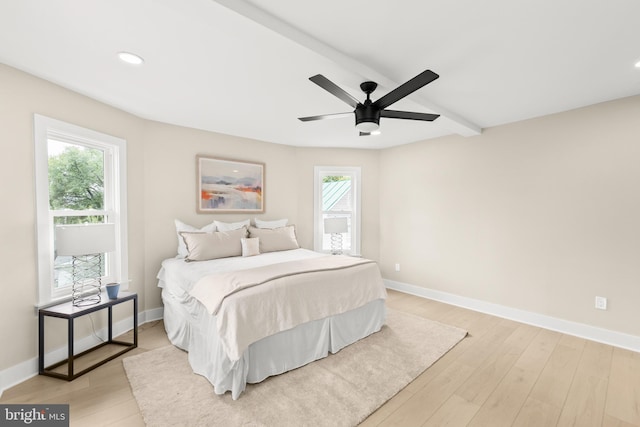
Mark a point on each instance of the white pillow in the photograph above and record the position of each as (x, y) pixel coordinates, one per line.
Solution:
(230, 226)
(181, 226)
(277, 239)
(271, 224)
(221, 244)
(250, 246)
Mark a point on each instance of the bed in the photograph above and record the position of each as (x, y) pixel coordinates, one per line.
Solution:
(244, 318)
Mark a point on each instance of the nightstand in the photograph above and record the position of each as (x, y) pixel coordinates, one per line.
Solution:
(70, 312)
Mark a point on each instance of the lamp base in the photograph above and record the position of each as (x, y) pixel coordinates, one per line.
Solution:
(336, 243)
(85, 290)
(83, 294)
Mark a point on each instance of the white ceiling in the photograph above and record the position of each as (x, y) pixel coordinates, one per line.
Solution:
(241, 67)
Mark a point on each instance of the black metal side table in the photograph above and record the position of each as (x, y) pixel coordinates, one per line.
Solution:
(70, 312)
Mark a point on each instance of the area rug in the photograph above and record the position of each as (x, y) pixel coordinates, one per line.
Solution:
(339, 390)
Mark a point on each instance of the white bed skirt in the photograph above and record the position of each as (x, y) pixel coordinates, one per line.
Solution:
(195, 331)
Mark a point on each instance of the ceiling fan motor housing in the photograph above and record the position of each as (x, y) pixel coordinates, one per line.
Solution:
(367, 117)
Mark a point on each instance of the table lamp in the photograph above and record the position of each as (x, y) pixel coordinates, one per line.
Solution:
(86, 244)
(335, 227)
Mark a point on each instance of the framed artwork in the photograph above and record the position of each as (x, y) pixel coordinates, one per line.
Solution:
(229, 185)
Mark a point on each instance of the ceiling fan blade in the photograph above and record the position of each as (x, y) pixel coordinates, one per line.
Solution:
(326, 116)
(393, 114)
(334, 89)
(407, 88)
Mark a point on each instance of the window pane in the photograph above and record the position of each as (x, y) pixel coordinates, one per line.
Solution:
(336, 193)
(83, 219)
(76, 176)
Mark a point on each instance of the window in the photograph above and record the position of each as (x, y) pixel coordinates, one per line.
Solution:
(80, 179)
(337, 194)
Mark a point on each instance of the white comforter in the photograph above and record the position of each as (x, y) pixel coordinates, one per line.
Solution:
(252, 304)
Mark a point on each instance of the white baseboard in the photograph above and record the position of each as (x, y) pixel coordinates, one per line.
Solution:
(29, 368)
(605, 336)
(151, 315)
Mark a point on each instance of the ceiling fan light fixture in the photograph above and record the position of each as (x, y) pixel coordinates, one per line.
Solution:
(367, 127)
(367, 117)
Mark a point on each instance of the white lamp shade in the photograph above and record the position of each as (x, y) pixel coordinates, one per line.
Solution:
(335, 225)
(85, 239)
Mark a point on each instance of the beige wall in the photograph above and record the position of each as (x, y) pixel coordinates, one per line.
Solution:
(161, 188)
(540, 215)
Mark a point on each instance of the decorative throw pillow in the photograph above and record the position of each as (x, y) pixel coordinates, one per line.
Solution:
(181, 226)
(250, 246)
(229, 226)
(271, 224)
(220, 244)
(277, 239)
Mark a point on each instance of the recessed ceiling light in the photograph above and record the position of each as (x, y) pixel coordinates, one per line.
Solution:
(376, 132)
(130, 58)
(638, 64)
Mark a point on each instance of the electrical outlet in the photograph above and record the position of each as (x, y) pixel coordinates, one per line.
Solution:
(601, 303)
(397, 266)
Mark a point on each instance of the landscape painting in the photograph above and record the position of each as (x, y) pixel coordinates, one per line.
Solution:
(229, 186)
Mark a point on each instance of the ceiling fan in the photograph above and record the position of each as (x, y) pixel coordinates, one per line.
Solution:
(368, 113)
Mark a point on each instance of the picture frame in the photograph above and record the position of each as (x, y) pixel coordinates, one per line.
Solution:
(229, 186)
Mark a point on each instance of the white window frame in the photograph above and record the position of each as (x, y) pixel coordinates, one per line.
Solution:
(355, 173)
(115, 203)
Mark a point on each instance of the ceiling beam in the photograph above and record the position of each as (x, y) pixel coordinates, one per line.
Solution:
(452, 121)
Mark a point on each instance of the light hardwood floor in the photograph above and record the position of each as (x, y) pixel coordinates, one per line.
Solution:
(503, 374)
